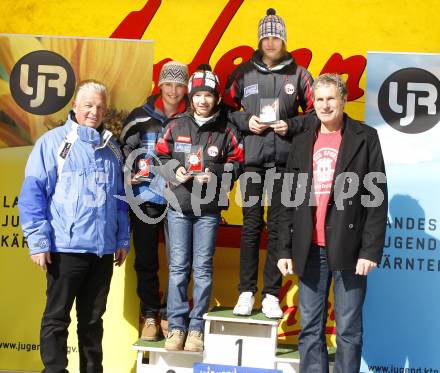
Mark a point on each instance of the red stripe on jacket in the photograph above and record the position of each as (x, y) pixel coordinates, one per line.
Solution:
(238, 154)
(162, 146)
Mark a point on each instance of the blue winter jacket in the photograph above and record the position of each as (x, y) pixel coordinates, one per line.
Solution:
(67, 202)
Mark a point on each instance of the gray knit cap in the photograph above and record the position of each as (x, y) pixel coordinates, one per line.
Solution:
(272, 25)
(174, 72)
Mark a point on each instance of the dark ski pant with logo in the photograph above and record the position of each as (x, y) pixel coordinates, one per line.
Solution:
(146, 262)
(253, 224)
(85, 278)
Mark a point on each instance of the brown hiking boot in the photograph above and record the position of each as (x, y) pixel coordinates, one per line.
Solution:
(194, 341)
(174, 341)
(150, 330)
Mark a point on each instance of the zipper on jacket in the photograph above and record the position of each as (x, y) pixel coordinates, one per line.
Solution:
(274, 134)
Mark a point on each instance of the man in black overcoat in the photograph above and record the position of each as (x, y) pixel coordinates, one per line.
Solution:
(332, 224)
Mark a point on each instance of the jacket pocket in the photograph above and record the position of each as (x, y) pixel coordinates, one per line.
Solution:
(63, 209)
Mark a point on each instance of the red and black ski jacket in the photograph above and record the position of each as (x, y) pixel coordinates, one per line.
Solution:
(222, 154)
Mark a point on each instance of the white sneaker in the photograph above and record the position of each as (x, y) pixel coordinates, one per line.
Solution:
(271, 307)
(244, 304)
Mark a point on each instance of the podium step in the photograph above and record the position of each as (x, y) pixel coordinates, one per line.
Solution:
(162, 360)
(158, 346)
(248, 341)
(226, 314)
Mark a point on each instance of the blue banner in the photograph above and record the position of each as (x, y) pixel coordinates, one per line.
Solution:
(402, 311)
(216, 368)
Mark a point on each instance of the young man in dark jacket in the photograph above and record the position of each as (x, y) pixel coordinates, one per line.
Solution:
(273, 75)
(142, 128)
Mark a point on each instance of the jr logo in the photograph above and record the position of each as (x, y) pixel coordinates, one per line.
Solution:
(59, 83)
(409, 102)
(42, 82)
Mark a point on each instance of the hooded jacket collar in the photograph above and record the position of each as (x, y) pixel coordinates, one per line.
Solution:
(88, 134)
(257, 60)
(155, 108)
(220, 116)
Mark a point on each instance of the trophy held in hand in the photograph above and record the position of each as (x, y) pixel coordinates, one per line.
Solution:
(194, 160)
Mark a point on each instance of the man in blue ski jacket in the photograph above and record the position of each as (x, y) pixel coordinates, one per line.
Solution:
(75, 226)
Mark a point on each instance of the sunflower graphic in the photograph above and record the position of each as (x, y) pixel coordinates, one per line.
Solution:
(124, 66)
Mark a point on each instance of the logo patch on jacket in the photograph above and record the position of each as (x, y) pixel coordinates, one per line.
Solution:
(65, 150)
(182, 147)
(212, 151)
(43, 243)
(251, 90)
(186, 139)
(289, 88)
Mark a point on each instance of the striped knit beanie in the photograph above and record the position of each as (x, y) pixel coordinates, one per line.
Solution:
(203, 79)
(174, 72)
(272, 25)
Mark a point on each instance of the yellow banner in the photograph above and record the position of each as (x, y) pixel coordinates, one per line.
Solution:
(39, 75)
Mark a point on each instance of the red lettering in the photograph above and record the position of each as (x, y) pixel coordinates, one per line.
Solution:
(302, 56)
(229, 61)
(211, 41)
(284, 289)
(353, 66)
(291, 315)
(332, 312)
(208, 46)
(290, 311)
(135, 23)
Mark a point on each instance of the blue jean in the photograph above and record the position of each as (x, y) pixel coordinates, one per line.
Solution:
(349, 295)
(192, 238)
